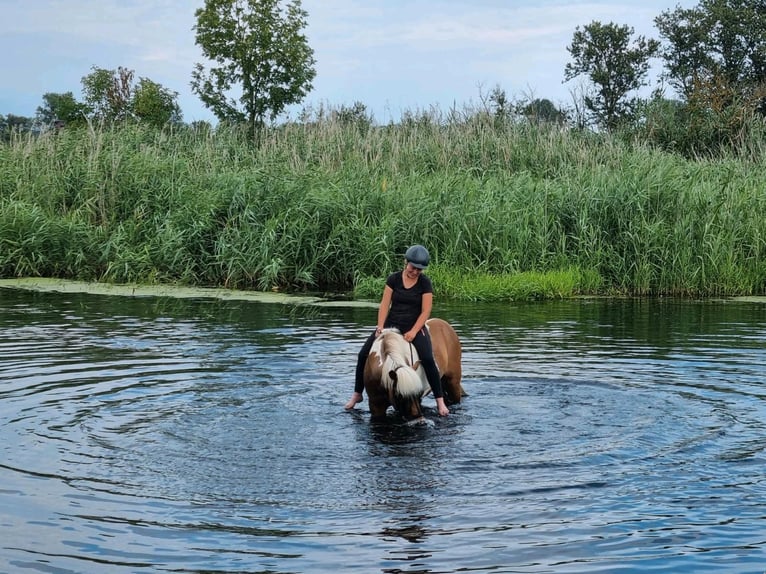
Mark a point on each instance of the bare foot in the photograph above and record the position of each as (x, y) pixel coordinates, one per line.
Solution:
(441, 407)
(355, 398)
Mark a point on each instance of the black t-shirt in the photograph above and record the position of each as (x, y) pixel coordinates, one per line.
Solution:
(406, 304)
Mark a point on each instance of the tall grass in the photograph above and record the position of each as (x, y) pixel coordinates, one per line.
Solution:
(512, 211)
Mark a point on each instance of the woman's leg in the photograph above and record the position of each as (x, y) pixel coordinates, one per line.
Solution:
(422, 343)
(361, 360)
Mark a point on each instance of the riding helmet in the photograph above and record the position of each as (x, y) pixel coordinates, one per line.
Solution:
(418, 256)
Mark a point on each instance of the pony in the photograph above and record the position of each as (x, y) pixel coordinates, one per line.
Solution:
(393, 375)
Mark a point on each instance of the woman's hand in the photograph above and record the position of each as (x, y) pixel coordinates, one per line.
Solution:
(410, 335)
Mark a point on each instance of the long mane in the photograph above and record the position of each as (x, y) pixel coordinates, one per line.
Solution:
(397, 358)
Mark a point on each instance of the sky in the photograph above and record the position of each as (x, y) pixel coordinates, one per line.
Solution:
(393, 56)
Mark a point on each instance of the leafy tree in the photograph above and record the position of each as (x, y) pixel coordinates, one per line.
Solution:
(685, 55)
(499, 104)
(113, 96)
(715, 58)
(107, 93)
(354, 115)
(604, 54)
(542, 111)
(718, 41)
(155, 105)
(61, 107)
(13, 123)
(257, 45)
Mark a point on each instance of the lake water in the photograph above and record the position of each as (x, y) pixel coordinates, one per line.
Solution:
(164, 435)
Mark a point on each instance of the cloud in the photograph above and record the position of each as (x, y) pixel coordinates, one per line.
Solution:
(411, 52)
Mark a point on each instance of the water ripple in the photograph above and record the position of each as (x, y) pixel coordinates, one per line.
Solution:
(149, 435)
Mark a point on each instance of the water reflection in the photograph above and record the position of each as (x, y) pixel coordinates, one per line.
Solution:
(166, 435)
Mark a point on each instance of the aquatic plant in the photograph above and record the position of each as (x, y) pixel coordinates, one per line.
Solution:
(510, 211)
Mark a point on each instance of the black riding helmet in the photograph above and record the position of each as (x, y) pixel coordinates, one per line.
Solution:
(418, 256)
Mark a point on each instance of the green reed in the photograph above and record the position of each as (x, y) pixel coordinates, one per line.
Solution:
(508, 212)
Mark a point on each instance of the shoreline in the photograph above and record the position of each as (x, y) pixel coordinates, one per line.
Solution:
(51, 285)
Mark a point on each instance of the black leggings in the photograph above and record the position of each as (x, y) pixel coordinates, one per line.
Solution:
(422, 344)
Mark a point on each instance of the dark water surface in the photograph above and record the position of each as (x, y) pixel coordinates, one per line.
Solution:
(161, 435)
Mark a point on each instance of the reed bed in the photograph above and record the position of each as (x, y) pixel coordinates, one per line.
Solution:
(508, 212)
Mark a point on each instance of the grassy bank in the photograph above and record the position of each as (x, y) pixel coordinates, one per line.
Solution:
(516, 213)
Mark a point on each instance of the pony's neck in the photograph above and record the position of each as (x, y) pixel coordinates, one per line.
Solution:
(396, 347)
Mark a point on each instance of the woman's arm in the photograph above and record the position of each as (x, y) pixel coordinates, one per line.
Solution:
(385, 305)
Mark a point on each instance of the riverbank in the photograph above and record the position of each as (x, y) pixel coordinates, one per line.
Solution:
(48, 285)
(508, 212)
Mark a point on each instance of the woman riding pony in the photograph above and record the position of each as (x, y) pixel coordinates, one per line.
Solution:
(406, 305)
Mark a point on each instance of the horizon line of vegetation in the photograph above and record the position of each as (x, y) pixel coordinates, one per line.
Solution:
(508, 210)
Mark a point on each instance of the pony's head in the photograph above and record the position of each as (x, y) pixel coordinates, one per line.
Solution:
(399, 374)
(398, 360)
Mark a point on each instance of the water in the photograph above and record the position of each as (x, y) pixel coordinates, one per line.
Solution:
(158, 435)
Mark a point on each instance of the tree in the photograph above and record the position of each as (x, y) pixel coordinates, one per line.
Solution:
(720, 41)
(155, 105)
(258, 45)
(715, 58)
(603, 53)
(112, 95)
(11, 124)
(107, 93)
(355, 115)
(499, 104)
(61, 108)
(685, 55)
(542, 112)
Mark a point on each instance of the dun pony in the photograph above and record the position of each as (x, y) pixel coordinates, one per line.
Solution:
(393, 375)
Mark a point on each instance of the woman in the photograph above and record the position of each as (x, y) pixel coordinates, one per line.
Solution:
(406, 305)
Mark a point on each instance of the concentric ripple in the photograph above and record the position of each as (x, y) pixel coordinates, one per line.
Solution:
(152, 435)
